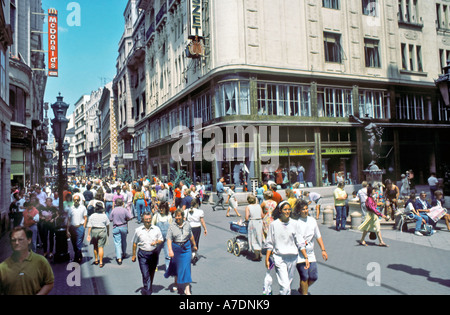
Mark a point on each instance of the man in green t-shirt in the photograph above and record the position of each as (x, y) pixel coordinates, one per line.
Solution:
(25, 272)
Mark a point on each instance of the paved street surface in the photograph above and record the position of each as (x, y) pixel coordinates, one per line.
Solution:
(411, 265)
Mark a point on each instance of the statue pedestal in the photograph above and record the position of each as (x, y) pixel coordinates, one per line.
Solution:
(374, 174)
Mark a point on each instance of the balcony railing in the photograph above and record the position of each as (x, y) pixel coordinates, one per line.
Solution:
(150, 33)
(161, 14)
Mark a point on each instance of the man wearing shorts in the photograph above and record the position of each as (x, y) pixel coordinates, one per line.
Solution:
(310, 231)
(313, 196)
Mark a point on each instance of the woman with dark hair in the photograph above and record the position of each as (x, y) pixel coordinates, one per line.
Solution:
(372, 222)
(284, 242)
(98, 231)
(163, 219)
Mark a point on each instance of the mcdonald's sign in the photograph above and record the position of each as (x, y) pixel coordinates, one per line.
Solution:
(52, 43)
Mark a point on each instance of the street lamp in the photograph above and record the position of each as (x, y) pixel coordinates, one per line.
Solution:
(142, 159)
(443, 83)
(66, 153)
(59, 126)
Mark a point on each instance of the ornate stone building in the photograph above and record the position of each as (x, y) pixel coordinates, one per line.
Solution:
(304, 78)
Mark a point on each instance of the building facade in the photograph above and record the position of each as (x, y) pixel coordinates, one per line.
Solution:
(80, 134)
(108, 132)
(5, 116)
(302, 79)
(29, 128)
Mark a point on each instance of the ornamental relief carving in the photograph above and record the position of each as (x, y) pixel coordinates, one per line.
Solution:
(446, 40)
(411, 35)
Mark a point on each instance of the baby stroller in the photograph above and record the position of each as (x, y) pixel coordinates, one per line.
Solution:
(238, 243)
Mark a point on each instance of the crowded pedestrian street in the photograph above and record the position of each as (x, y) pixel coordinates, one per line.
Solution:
(217, 149)
(408, 263)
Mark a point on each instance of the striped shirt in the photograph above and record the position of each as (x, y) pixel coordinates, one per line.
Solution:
(179, 234)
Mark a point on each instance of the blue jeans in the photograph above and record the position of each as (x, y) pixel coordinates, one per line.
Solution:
(418, 220)
(147, 263)
(140, 208)
(77, 237)
(428, 219)
(108, 207)
(341, 217)
(120, 240)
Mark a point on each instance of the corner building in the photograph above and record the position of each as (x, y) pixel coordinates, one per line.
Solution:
(306, 71)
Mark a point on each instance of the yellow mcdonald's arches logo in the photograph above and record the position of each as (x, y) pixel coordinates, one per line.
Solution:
(52, 11)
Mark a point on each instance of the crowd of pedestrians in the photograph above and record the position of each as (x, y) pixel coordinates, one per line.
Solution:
(172, 221)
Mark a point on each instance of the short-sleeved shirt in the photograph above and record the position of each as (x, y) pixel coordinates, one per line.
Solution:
(98, 220)
(76, 215)
(194, 217)
(119, 216)
(143, 237)
(27, 277)
(179, 234)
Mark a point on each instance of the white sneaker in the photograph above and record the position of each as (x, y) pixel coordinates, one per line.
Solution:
(418, 233)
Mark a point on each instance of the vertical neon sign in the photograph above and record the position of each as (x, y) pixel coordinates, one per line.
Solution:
(52, 43)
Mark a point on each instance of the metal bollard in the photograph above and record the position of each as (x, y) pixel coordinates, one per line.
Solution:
(328, 214)
(356, 219)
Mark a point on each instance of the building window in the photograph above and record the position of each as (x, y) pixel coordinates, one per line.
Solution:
(332, 47)
(173, 121)
(374, 104)
(443, 112)
(284, 100)
(2, 75)
(419, 58)
(202, 107)
(331, 4)
(408, 11)
(411, 107)
(370, 7)
(17, 101)
(335, 102)
(372, 53)
(233, 98)
(412, 58)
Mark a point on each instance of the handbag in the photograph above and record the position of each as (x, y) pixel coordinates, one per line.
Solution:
(373, 236)
(427, 230)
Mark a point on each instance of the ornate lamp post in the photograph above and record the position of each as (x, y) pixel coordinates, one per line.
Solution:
(443, 83)
(59, 126)
(66, 153)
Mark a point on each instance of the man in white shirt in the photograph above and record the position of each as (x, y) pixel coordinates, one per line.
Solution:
(362, 196)
(310, 232)
(433, 183)
(41, 196)
(147, 239)
(284, 241)
(77, 225)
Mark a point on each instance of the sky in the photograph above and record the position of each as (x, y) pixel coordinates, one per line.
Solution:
(89, 34)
